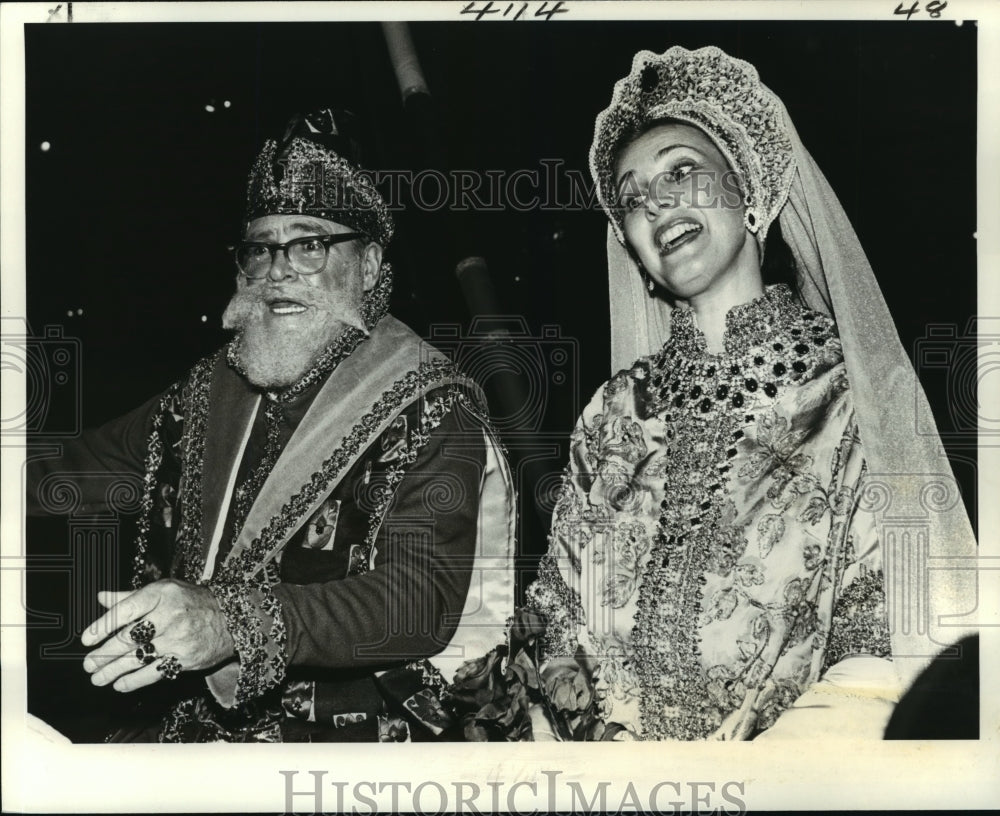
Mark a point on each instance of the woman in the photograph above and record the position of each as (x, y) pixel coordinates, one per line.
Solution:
(732, 530)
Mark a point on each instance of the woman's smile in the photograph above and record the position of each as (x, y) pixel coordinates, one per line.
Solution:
(676, 233)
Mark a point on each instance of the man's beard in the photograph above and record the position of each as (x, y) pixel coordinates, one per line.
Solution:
(276, 352)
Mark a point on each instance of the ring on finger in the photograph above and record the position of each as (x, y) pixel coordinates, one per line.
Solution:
(146, 653)
(143, 631)
(169, 667)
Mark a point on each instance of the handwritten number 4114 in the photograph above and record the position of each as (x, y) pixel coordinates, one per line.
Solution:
(481, 10)
(934, 9)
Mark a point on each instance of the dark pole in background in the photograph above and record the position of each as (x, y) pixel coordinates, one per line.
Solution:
(422, 234)
(504, 362)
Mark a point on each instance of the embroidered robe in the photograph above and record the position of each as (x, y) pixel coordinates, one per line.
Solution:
(709, 550)
(375, 556)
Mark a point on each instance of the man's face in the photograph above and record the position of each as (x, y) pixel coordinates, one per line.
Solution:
(287, 318)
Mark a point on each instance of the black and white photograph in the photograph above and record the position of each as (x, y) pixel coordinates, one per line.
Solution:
(514, 373)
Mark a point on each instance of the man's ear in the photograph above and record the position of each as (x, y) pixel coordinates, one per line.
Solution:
(371, 265)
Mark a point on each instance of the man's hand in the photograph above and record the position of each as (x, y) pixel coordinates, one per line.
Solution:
(189, 626)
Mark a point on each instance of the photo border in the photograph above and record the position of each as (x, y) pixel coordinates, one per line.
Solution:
(45, 776)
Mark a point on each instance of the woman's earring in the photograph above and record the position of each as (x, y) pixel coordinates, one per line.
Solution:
(647, 279)
(750, 220)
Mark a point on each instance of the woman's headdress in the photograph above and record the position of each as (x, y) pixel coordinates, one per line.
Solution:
(929, 550)
(316, 170)
(716, 93)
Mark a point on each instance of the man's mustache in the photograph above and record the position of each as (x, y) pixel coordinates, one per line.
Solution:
(271, 294)
(252, 302)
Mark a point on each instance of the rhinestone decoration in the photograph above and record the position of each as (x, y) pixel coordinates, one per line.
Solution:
(859, 624)
(146, 653)
(761, 345)
(142, 632)
(317, 181)
(707, 403)
(254, 618)
(142, 573)
(721, 95)
(170, 667)
(189, 559)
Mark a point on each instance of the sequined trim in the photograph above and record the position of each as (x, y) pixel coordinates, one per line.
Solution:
(255, 619)
(433, 414)
(189, 534)
(246, 494)
(154, 457)
(194, 404)
(560, 605)
(189, 559)
(860, 624)
(375, 303)
(198, 719)
(253, 613)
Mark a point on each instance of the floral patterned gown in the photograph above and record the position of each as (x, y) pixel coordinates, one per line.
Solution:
(709, 550)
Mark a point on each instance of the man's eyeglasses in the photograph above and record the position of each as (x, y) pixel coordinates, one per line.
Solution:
(306, 255)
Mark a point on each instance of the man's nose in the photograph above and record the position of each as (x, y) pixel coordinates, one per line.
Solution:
(281, 269)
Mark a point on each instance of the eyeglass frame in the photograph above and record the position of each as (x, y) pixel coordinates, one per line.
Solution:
(327, 240)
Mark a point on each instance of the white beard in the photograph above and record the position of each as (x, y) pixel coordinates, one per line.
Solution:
(277, 352)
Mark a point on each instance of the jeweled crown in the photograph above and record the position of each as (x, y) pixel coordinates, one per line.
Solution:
(721, 95)
(315, 170)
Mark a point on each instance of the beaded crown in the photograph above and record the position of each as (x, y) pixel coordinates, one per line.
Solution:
(315, 170)
(721, 95)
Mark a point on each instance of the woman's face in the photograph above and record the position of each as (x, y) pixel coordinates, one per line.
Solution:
(683, 210)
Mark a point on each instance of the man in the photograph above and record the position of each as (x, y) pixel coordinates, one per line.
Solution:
(327, 520)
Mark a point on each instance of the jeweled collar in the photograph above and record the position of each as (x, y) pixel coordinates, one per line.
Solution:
(747, 325)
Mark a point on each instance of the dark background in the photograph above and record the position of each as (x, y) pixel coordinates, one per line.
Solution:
(130, 211)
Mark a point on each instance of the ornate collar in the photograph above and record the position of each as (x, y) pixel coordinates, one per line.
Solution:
(748, 324)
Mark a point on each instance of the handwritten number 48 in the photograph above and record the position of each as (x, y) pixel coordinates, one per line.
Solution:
(934, 9)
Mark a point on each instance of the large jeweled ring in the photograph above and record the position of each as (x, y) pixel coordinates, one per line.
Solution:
(143, 631)
(146, 653)
(169, 667)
